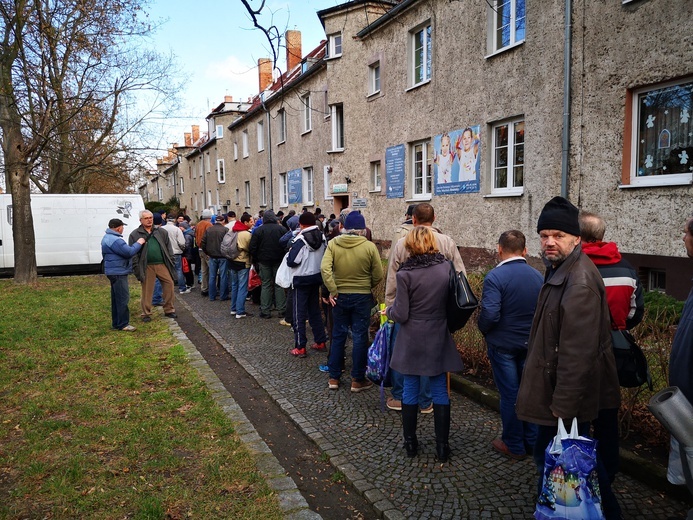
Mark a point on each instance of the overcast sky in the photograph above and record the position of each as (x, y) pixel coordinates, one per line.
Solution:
(217, 49)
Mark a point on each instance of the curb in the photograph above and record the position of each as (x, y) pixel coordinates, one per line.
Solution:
(290, 499)
(647, 472)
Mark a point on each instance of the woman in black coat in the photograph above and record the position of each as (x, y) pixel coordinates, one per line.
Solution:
(424, 347)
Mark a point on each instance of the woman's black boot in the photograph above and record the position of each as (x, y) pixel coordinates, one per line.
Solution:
(441, 420)
(410, 413)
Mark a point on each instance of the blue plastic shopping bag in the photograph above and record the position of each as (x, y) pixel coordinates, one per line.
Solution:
(570, 490)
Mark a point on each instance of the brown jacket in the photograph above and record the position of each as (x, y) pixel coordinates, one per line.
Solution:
(570, 369)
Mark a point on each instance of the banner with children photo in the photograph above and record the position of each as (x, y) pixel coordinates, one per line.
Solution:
(456, 157)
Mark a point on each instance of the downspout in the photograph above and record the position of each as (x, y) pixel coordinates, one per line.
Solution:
(269, 151)
(567, 48)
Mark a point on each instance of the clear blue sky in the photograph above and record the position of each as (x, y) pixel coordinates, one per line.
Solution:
(217, 49)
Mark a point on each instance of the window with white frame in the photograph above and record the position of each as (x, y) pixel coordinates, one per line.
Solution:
(195, 202)
(160, 193)
(221, 171)
(245, 143)
(374, 78)
(283, 190)
(220, 131)
(260, 136)
(247, 194)
(208, 166)
(209, 197)
(508, 157)
(181, 185)
(306, 113)
(506, 23)
(263, 191)
(376, 181)
(421, 57)
(662, 135)
(421, 173)
(337, 113)
(281, 116)
(235, 151)
(238, 197)
(327, 182)
(308, 186)
(335, 45)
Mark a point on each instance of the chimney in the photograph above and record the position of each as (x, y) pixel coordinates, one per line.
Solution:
(195, 133)
(188, 139)
(264, 69)
(293, 49)
(228, 99)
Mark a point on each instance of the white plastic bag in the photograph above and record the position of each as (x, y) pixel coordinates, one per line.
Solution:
(285, 274)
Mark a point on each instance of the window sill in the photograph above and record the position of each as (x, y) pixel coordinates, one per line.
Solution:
(423, 198)
(418, 85)
(281, 142)
(374, 95)
(307, 132)
(330, 58)
(681, 180)
(504, 49)
(501, 194)
(260, 151)
(246, 156)
(379, 191)
(338, 150)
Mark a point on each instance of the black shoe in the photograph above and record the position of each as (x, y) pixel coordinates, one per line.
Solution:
(204, 293)
(171, 315)
(146, 319)
(265, 316)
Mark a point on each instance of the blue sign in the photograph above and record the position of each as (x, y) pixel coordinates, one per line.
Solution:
(295, 179)
(394, 171)
(456, 157)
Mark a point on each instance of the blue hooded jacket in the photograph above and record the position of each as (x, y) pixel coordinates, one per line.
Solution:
(117, 254)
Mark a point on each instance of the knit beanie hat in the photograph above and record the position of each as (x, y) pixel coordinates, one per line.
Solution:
(354, 220)
(559, 214)
(307, 219)
(157, 219)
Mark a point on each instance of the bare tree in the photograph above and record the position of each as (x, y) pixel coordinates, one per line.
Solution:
(73, 74)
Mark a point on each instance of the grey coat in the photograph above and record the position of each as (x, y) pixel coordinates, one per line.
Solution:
(423, 346)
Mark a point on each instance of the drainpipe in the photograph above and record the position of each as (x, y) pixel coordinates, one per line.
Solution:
(567, 47)
(269, 150)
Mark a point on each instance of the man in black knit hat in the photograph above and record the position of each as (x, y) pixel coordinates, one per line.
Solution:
(570, 369)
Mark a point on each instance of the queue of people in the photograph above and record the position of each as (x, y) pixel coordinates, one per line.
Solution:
(548, 336)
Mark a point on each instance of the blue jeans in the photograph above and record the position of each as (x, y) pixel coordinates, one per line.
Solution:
(398, 379)
(120, 297)
(179, 270)
(239, 289)
(438, 387)
(507, 367)
(307, 307)
(218, 266)
(351, 310)
(158, 298)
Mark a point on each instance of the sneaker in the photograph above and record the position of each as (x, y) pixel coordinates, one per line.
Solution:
(320, 347)
(146, 319)
(428, 409)
(129, 328)
(360, 386)
(265, 316)
(233, 313)
(299, 352)
(171, 315)
(500, 447)
(324, 368)
(187, 291)
(394, 404)
(284, 322)
(333, 384)
(204, 293)
(189, 287)
(243, 315)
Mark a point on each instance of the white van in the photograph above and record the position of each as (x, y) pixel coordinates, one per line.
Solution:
(68, 230)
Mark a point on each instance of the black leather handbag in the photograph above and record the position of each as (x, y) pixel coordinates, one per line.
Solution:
(461, 300)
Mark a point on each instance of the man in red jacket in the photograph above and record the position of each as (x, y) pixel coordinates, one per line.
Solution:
(626, 304)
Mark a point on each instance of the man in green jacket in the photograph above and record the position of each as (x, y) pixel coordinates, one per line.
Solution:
(350, 269)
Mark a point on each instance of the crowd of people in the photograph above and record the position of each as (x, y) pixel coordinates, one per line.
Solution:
(548, 335)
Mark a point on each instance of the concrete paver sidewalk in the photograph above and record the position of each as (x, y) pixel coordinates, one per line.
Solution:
(365, 443)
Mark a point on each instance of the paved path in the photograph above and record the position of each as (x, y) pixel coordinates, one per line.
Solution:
(365, 443)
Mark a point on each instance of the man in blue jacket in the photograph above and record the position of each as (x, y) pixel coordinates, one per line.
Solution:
(508, 301)
(117, 264)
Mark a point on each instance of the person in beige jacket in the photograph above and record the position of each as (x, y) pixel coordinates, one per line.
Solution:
(423, 215)
(239, 267)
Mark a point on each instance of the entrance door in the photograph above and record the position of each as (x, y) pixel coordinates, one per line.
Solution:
(340, 202)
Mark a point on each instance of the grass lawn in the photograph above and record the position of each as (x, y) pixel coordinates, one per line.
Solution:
(102, 424)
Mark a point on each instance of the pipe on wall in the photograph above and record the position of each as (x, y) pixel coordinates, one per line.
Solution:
(565, 145)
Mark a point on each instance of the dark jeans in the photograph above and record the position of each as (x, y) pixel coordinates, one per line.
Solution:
(507, 371)
(120, 297)
(217, 266)
(545, 434)
(289, 312)
(605, 430)
(351, 310)
(307, 305)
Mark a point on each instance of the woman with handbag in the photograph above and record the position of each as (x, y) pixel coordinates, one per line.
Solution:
(424, 346)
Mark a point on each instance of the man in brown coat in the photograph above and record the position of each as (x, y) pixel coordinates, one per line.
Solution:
(570, 369)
